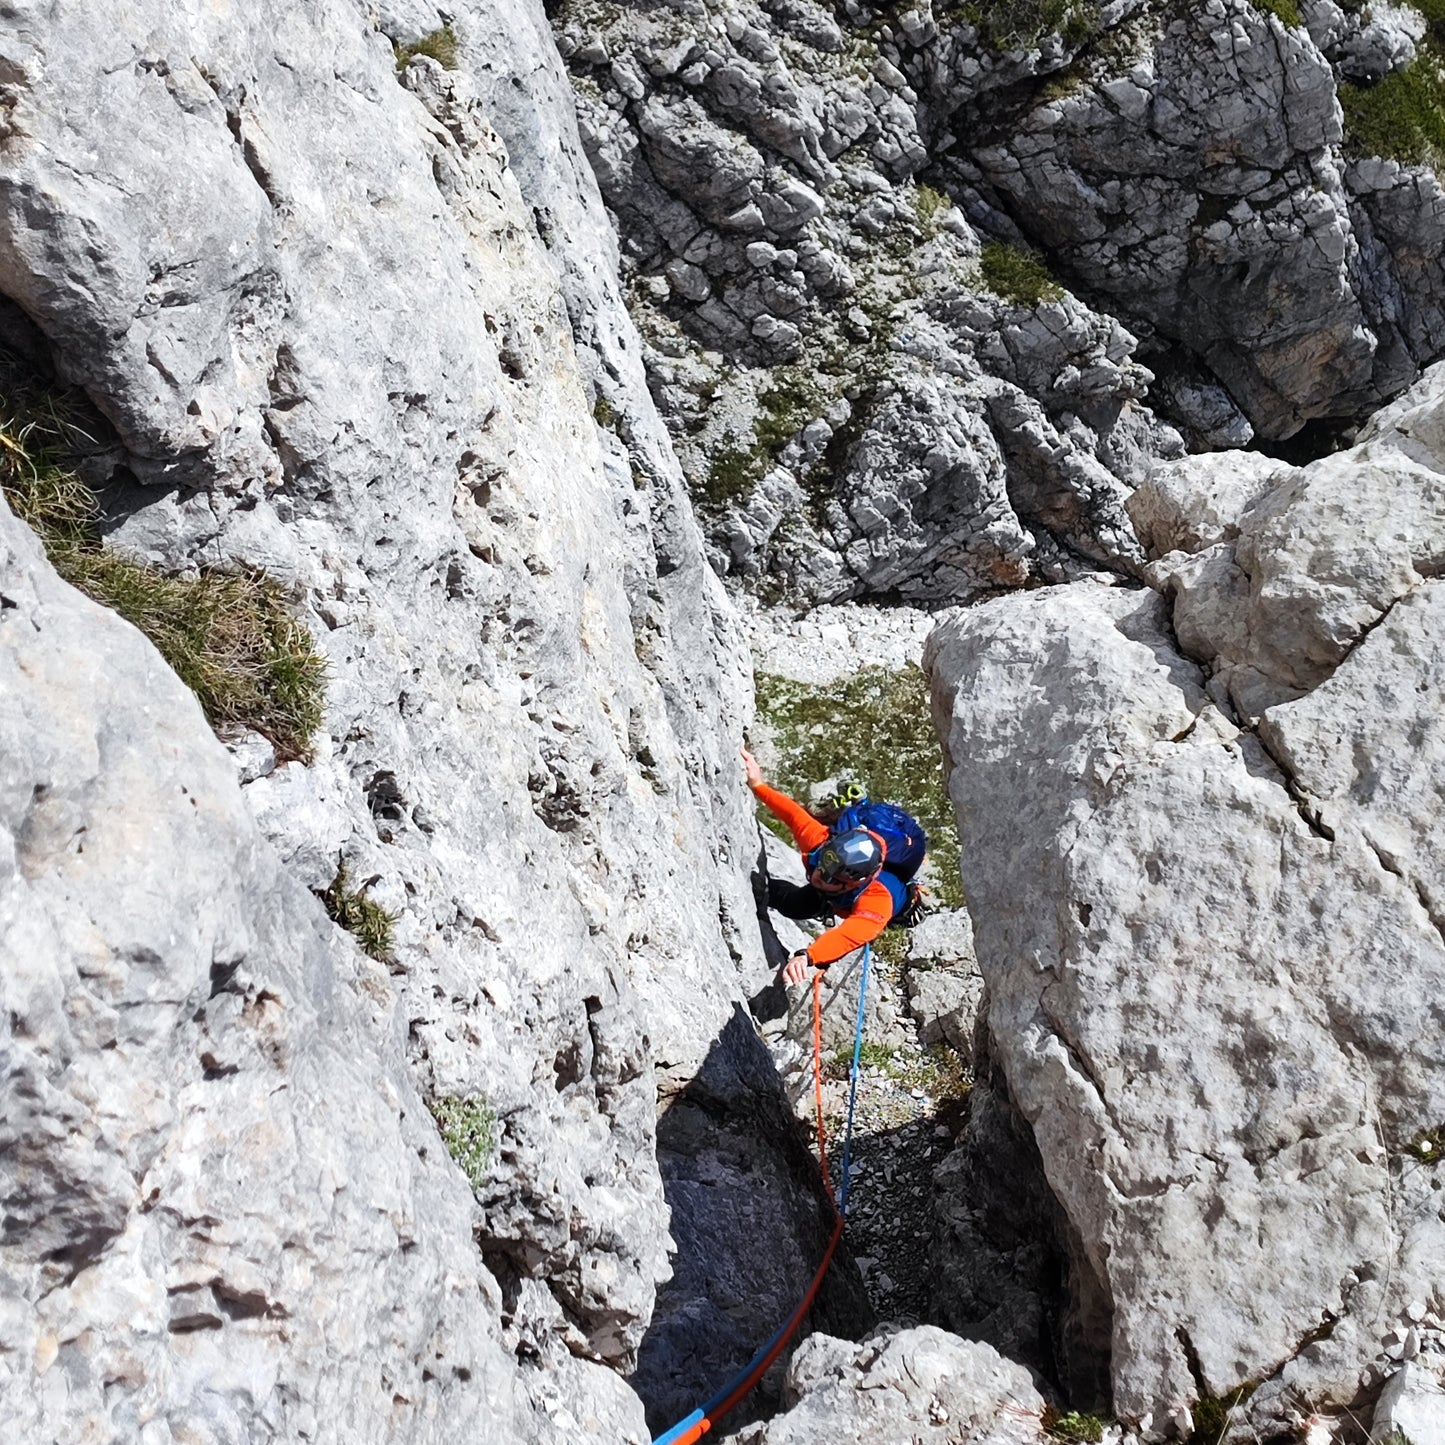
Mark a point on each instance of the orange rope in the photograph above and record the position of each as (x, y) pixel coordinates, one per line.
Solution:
(818, 1082)
(692, 1431)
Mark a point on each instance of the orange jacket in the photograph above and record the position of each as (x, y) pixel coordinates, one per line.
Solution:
(870, 911)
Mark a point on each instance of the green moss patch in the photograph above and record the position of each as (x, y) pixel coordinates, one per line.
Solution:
(873, 726)
(228, 635)
(1402, 117)
(1285, 11)
(1212, 1414)
(784, 408)
(1016, 275)
(469, 1130)
(929, 205)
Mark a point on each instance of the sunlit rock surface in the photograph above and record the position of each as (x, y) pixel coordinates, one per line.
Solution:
(1199, 850)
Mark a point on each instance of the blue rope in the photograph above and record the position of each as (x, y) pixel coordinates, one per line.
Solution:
(681, 1428)
(853, 1079)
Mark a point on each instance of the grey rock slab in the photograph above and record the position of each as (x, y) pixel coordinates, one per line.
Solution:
(1321, 557)
(1195, 998)
(1231, 229)
(1190, 504)
(1412, 1404)
(312, 294)
(944, 1003)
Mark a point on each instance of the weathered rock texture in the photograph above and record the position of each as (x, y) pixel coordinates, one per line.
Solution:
(308, 292)
(915, 1387)
(858, 411)
(1201, 853)
(228, 1215)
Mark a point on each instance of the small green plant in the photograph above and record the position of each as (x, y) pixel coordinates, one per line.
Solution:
(361, 916)
(929, 205)
(732, 473)
(469, 1130)
(1401, 117)
(1285, 11)
(441, 45)
(891, 946)
(942, 1072)
(1017, 276)
(1212, 1413)
(784, 408)
(1020, 24)
(1072, 1425)
(1428, 1146)
(603, 413)
(228, 635)
(874, 725)
(871, 1055)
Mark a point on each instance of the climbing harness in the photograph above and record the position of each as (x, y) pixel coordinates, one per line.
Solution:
(696, 1425)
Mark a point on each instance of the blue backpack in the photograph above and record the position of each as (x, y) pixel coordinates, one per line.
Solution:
(902, 835)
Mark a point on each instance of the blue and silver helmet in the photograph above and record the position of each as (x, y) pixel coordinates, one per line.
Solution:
(848, 859)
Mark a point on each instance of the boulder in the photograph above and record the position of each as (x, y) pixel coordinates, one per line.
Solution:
(1206, 903)
(917, 1386)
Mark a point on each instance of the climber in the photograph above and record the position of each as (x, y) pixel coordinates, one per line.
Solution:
(851, 871)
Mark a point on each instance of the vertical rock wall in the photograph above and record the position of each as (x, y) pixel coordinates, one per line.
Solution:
(304, 287)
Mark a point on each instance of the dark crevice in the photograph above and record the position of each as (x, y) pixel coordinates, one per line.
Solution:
(1368, 628)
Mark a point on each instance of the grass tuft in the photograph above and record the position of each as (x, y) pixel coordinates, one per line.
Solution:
(361, 916)
(1072, 1425)
(1285, 11)
(929, 205)
(441, 45)
(227, 635)
(1402, 117)
(1017, 276)
(1212, 1413)
(469, 1130)
(1006, 25)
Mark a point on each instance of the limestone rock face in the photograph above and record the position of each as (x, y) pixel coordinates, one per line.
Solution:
(336, 340)
(944, 987)
(228, 1214)
(808, 196)
(917, 1385)
(857, 411)
(1234, 226)
(1206, 891)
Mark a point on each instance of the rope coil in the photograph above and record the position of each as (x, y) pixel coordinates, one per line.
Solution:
(694, 1426)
